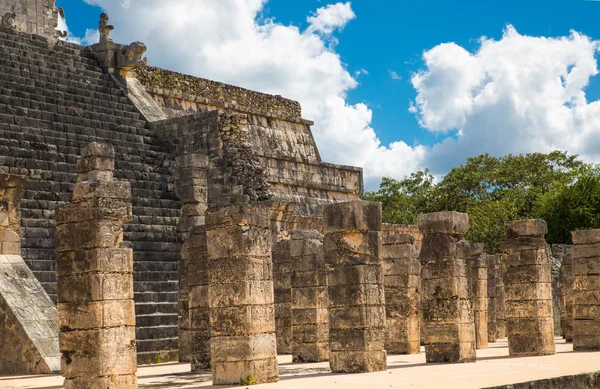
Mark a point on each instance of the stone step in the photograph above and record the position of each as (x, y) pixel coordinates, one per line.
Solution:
(157, 286)
(164, 344)
(156, 320)
(158, 332)
(141, 266)
(147, 297)
(156, 357)
(155, 308)
(153, 276)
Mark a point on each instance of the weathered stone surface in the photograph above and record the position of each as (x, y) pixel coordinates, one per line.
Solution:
(38, 17)
(357, 317)
(528, 291)
(478, 292)
(448, 322)
(95, 286)
(283, 268)
(309, 340)
(450, 223)
(585, 292)
(501, 307)
(241, 314)
(565, 305)
(491, 262)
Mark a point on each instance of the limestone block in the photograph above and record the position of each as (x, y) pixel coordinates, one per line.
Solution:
(531, 227)
(89, 235)
(102, 189)
(352, 248)
(236, 241)
(450, 352)
(243, 348)
(358, 361)
(96, 314)
(585, 237)
(450, 223)
(95, 287)
(257, 371)
(341, 339)
(355, 215)
(118, 260)
(350, 275)
(108, 382)
(359, 294)
(442, 247)
(239, 215)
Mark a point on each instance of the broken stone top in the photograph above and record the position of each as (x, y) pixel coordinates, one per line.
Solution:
(586, 236)
(476, 249)
(447, 222)
(530, 227)
(97, 163)
(354, 215)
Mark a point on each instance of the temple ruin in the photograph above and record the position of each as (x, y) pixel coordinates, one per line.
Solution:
(148, 216)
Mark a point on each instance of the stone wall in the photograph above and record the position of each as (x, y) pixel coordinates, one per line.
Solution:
(399, 229)
(38, 17)
(578, 381)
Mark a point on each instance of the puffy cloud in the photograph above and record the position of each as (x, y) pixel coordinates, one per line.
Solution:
(514, 95)
(91, 36)
(331, 17)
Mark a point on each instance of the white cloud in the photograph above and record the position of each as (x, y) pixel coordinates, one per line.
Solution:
(330, 18)
(395, 76)
(91, 35)
(514, 95)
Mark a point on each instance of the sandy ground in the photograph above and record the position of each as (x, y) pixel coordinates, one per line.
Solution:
(494, 367)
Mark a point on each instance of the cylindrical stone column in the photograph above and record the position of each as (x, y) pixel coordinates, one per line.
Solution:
(310, 320)
(566, 295)
(586, 290)
(352, 248)
(95, 278)
(240, 295)
(478, 272)
(282, 283)
(528, 289)
(500, 270)
(402, 283)
(491, 264)
(447, 311)
(197, 274)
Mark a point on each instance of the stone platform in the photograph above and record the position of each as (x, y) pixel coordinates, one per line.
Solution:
(493, 368)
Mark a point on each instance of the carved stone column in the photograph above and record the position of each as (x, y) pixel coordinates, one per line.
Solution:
(500, 270)
(447, 311)
(402, 280)
(478, 275)
(491, 287)
(352, 247)
(586, 290)
(95, 278)
(527, 281)
(566, 295)
(310, 321)
(240, 295)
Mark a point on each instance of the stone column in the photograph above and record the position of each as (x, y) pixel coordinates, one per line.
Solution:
(352, 248)
(586, 290)
(197, 270)
(566, 295)
(310, 321)
(282, 282)
(478, 274)
(95, 278)
(527, 281)
(402, 282)
(500, 270)
(240, 295)
(491, 287)
(447, 310)
(190, 186)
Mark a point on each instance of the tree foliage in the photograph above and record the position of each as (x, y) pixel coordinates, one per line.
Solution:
(493, 190)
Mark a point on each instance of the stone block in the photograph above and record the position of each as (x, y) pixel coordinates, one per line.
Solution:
(357, 294)
(586, 266)
(357, 361)
(309, 316)
(350, 275)
(90, 234)
(530, 345)
(355, 215)
(448, 311)
(240, 294)
(527, 274)
(95, 287)
(96, 314)
(357, 317)
(443, 247)
(451, 287)
(352, 248)
(532, 291)
(586, 282)
(310, 297)
(450, 223)
(235, 241)
(310, 352)
(585, 237)
(243, 348)
(531, 227)
(108, 382)
(243, 320)
(362, 339)
(239, 215)
(529, 309)
(258, 371)
(450, 352)
(120, 190)
(588, 250)
(94, 261)
(526, 326)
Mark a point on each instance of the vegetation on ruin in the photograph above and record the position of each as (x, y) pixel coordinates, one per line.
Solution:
(556, 187)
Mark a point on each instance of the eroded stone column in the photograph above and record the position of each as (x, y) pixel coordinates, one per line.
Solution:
(197, 273)
(566, 295)
(95, 278)
(402, 282)
(478, 274)
(310, 320)
(190, 186)
(282, 283)
(491, 287)
(528, 290)
(447, 312)
(352, 248)
(586, 290)
(240, 295)
(500, 270)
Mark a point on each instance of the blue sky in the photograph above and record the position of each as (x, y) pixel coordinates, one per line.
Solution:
(392, 36)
